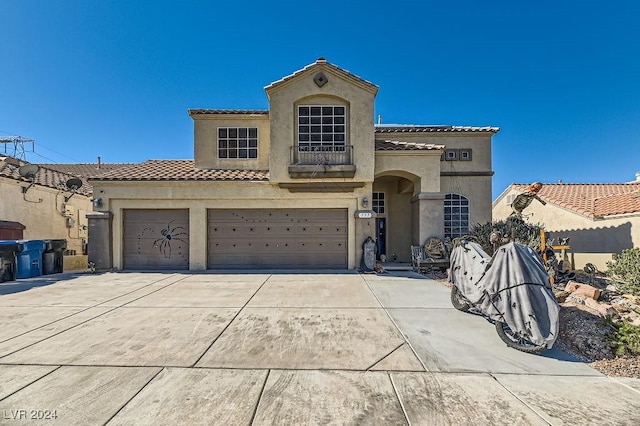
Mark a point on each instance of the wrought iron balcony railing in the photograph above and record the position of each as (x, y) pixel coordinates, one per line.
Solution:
(322, 155)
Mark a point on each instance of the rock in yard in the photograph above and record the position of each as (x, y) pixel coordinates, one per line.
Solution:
(582, 290)
(603, 309)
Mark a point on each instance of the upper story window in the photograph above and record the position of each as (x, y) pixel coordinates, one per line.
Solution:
(321, 128)
(237, 142)
(456, 215)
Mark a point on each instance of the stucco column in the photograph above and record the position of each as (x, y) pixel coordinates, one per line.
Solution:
(427, 211)
(100, 237)
(197, 238)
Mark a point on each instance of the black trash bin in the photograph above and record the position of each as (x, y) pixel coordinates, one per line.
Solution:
(52, 256)
(8, 251)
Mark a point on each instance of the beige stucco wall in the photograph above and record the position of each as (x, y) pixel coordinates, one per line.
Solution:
(420, 167)
(478, 142)
(587, 236)
(200, 196)
(206, 140)
(477, 189)
(45, 219)
(358, 99)
(472, 179)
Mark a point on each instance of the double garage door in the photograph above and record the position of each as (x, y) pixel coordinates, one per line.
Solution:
(239, 239)
(277, 238)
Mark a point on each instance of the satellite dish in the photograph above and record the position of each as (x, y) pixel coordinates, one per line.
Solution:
(29, 171)
(73, 184)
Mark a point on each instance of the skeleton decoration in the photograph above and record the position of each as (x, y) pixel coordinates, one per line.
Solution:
(522, 201)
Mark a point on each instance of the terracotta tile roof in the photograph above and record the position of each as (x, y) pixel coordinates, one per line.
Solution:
(386, 145)
(618, 204)
(46, 176)
(179, 170)
(86, 169)
(411, 128)
(321, 62)
(593, 200)
(201, 111)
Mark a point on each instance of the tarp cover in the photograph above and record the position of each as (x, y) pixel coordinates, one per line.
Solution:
(512, 286)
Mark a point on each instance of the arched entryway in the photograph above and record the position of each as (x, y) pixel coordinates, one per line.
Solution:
(391, 200)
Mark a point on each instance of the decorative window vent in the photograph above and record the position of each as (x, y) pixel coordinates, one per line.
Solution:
(465, 154)
(450, 154)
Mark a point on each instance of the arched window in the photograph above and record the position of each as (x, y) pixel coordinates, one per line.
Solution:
(456, 215)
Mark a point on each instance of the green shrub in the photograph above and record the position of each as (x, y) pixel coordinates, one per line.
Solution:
(626, 268)
(510, 229)
(626, 339)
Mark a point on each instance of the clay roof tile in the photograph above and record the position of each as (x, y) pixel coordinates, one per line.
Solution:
(179, 170)
(593, 200)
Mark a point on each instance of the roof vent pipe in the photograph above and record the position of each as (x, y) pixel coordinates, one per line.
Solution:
(379, 119)
(99, 162)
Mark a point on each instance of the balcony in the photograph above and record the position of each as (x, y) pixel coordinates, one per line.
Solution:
(322, 162)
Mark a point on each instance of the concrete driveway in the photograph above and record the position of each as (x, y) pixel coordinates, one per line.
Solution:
(277, 348)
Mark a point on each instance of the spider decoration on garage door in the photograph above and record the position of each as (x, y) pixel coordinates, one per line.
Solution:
(170, 234)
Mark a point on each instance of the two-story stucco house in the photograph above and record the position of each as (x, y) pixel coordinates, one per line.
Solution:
(300, 185)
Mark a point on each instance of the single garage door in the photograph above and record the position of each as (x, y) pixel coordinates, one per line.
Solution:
(277, 238)
(156, 239)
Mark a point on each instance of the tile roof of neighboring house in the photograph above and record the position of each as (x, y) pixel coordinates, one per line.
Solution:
(202, 111)
(410, 128)
(86, 169)
(321, 61)
(179, 170)
(46, 176)
(618, 204)
(386, 145)
(593, 200)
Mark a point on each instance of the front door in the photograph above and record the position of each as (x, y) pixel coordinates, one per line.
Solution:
(381, 236)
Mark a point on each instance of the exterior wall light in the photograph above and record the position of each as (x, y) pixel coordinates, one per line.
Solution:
(365, 202)
(97, 203)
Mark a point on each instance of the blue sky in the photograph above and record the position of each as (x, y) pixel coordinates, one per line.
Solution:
(115, 78)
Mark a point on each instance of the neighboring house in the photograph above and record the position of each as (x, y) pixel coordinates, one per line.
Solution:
(600, 219)
(301, 185)
(48, 209)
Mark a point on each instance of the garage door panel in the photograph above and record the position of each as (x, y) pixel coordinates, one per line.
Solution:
(264, 260)
(156, 239)
(281, 238)
(278, 247)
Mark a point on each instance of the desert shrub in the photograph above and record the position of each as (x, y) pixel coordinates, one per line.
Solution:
(510, 229)
(625, 340)
(626, 269)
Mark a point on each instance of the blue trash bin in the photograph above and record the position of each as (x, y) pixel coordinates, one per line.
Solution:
(29, 260)
(8, 252)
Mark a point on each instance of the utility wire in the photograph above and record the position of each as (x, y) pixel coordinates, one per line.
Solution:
(59, 153)
(46, 148)
(46, 158)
